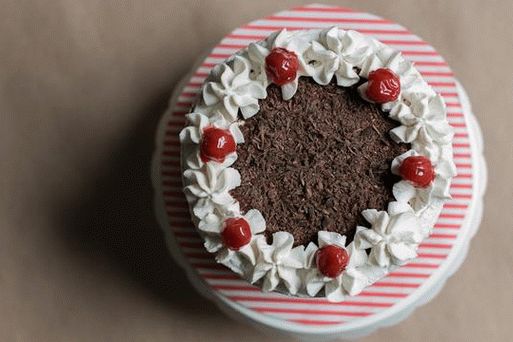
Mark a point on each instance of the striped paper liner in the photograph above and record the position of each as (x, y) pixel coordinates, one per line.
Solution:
(387, 293)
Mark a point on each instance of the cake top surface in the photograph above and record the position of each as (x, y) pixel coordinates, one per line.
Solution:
(316, 161)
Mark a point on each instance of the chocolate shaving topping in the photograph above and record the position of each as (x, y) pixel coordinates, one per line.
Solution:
(316, 161)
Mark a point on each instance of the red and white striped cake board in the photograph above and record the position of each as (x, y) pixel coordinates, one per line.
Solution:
(390, 299)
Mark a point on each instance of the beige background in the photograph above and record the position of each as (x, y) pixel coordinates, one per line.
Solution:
(82, 84)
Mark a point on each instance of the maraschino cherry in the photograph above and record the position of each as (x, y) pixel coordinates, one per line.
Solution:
(281, 66)
(216, 144)
(383, 86)
(236, 233)
(332, 260)
(418, 170)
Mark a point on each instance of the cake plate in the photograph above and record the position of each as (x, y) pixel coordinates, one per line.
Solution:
(394, 297)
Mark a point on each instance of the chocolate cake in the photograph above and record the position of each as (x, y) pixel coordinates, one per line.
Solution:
(317, 161)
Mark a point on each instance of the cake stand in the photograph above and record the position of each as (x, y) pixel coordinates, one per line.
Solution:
(394, 297)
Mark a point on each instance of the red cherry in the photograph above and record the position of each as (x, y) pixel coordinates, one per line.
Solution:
(236, 233)
(281, 66)
(216, 144)
(418, 170)
(332, 260)
(383, 86)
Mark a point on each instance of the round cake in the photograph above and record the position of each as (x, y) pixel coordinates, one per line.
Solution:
(316, 162)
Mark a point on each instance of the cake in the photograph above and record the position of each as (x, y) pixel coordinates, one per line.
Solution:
(316, 162)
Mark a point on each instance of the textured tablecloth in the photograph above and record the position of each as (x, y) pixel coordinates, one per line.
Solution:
(82, 85)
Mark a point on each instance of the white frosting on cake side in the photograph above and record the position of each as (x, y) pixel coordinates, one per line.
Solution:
(393, 236)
